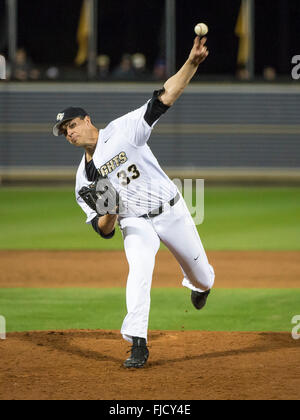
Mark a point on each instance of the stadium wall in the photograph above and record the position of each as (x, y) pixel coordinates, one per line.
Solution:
(220, 132)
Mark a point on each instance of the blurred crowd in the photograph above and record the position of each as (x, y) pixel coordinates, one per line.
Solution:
(22, 69)
(131, 68)
(269, 74)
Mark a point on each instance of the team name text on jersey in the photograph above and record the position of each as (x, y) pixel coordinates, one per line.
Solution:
(113, 164)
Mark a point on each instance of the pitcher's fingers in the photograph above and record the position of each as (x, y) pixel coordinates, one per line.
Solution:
(197, 41)
(203, 41)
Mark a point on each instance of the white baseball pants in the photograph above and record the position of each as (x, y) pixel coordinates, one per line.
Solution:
(176, 229)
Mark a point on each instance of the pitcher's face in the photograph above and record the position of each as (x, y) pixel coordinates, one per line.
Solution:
(77, 131)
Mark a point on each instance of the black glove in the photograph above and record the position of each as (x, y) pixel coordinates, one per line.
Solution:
(102, 197)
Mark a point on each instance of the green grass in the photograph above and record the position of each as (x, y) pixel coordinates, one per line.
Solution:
(33, 218)
(235, 219)
(228, 310)
(252, 219)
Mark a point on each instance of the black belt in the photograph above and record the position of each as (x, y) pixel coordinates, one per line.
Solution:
(160, 210)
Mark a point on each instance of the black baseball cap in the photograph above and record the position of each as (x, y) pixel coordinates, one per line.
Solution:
(67, 115)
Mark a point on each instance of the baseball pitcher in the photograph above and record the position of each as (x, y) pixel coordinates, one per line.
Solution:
(119, 181)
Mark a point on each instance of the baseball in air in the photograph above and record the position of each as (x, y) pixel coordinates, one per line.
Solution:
(201, 29)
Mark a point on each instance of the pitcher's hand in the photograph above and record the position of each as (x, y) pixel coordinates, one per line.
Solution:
(199, 51)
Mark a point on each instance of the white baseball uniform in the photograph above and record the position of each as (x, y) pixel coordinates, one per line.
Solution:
(123, 155)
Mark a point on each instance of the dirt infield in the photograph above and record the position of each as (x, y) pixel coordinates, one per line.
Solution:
(190, 365)
(183, 365)
(109, 269)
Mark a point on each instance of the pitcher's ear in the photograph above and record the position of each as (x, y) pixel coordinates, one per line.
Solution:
(88, 119)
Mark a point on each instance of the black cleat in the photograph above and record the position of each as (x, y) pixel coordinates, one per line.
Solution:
(199, 299)
(139, 354)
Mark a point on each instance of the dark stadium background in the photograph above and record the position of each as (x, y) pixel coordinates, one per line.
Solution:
(47, 30)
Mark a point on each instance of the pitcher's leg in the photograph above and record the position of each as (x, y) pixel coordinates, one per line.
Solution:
(141, 245)
(196, 287)
(179, 233)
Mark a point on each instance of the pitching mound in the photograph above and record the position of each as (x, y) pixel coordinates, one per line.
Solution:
(183, 365)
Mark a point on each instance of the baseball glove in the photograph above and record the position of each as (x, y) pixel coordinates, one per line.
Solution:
(101, 197)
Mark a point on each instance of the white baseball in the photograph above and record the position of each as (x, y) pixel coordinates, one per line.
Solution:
(201, 29)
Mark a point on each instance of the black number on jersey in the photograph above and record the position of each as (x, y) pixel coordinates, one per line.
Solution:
(124, 179)
(134, 171)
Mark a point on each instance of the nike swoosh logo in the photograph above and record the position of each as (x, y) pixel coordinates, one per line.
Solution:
(195, 259)
(107, 140)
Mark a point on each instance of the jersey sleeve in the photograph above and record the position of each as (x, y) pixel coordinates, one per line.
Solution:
(140, 123)
(99, 231)
(156, 108)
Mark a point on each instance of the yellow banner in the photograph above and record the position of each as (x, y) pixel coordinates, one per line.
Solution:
(242, 31)
(83, 33)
